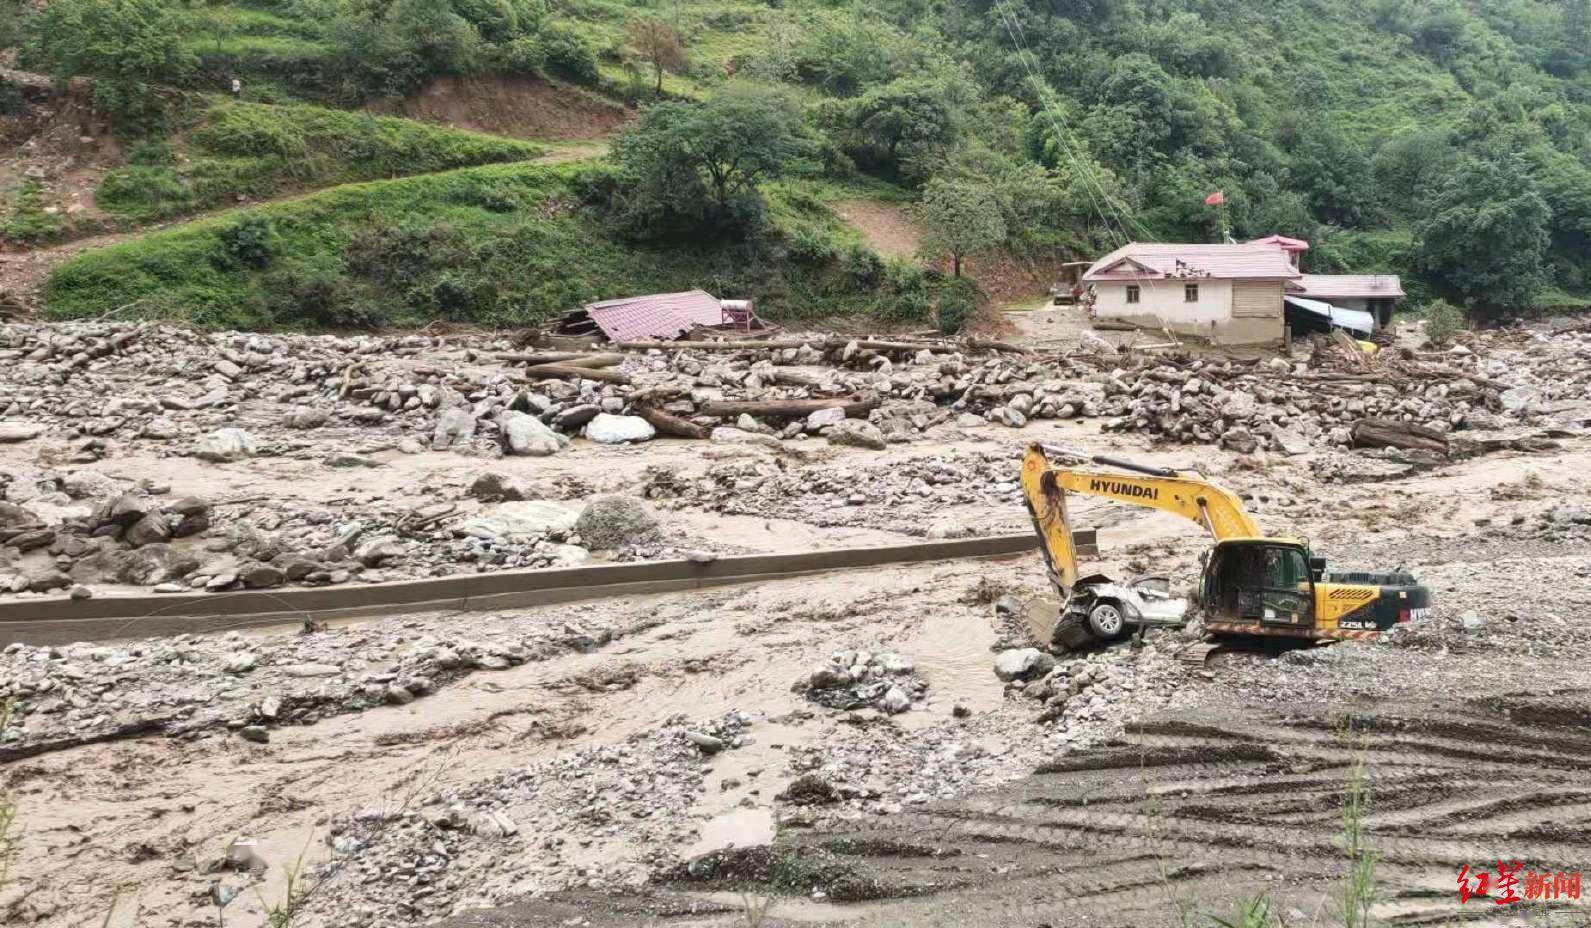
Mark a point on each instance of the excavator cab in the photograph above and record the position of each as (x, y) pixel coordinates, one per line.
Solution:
(1261, 580)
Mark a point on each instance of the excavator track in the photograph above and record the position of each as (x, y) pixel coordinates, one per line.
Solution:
(1196, 655)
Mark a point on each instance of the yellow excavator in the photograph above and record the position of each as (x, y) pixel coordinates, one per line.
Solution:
(1251, 585)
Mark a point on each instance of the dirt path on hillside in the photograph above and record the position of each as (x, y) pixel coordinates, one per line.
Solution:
(886, 226)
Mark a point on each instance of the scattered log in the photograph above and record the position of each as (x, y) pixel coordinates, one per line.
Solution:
(856, 407)
(989, 344)
(586, 360)
(670, 424)
(541, 357)
(1389, 433)
(1350, 350)
(566, 372)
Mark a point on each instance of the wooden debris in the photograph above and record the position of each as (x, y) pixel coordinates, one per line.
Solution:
(856, 407)
(589, 361)
(670, 424)
(1389, 433)
(566, 372)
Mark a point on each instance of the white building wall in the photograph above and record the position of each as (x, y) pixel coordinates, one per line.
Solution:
(1163, 300)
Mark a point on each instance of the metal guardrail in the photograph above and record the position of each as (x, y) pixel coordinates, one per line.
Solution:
(62, 621)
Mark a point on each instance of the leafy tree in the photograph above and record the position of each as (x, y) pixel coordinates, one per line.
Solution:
(907, 125)
(1334, 174)
(658, 45)
(1443, 321)
(128, 48)
(959, 218)
(692, 167)
(1487, 241)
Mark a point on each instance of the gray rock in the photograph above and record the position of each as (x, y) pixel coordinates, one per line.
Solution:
(454, 428)
(704, 742)
(525, 520)
(258, 734)
(305, 671)
(494, 488)
(1022, 664)
(151, 529)
(608, 429)
(823, 418)
(855, 433)
(379, 550)
(304, 419)
(222, 445)
(895, 701)
(726, 435)
(345, 459)
(241, 662)
(124, 509)
(261, 576)
(194, 516)
(12, 433)
(615, 521)
(524, 434)
(399, 695)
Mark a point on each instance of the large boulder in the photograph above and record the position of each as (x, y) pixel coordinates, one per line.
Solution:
(856, 433)
(14, 432)
(123, 509)
(229, 444)
(151, 529)
(1022, 664)
(154, 563)
(15, 519)
(608, 429)
(525, 434)
(525, 520)
(454, 428)
(616, 521)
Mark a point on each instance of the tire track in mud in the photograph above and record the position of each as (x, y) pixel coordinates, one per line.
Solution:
(1192, 808)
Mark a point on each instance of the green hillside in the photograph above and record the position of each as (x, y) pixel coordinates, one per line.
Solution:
(1446, 140)
(504, 244)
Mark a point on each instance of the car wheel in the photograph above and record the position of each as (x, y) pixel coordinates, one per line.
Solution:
(1106, 621)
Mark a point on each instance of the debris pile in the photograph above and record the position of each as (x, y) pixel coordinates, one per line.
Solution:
(539, 828)
(1078, 691)
(861, 679)
(193, 684)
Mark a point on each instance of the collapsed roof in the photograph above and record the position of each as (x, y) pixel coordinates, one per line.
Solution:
(653, 316)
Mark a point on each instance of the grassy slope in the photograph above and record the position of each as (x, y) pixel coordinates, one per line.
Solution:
(257, 151)
(496, 244)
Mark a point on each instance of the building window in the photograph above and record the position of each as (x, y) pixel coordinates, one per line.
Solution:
(1132, 293)
(1190, 293)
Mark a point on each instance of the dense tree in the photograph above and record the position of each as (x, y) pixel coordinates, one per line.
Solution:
(695, 167)
(1487, 241)
(959, 218)
(907, 126)
(128, 48)
(658, 45)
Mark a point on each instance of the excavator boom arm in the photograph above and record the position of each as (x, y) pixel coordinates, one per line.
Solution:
(1046, 485)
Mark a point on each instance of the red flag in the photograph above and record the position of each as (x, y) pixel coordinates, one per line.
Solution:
(1215, 199)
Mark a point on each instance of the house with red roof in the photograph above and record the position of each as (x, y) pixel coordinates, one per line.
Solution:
(1232, 294)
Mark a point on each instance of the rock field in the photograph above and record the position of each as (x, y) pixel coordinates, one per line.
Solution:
(413, 768)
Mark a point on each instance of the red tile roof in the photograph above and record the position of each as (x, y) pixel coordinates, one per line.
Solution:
(655, 316)
(1343, 286)
(1157, 261)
